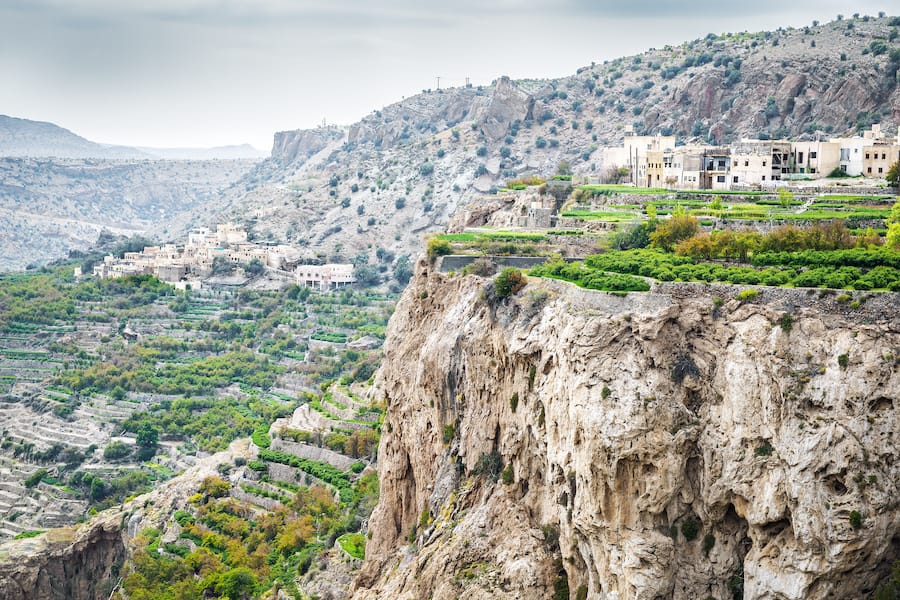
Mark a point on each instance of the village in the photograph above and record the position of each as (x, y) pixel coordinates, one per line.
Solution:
(659, 162)
(213, 252)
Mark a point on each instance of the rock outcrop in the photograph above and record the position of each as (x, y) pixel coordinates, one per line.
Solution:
(296, 146)
(84, 562)
(658, 445)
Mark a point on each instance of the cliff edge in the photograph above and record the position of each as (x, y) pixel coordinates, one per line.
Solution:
(680, 443)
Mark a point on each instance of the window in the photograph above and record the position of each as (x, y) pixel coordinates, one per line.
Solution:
(720, 179)
(867, 156)
(764, 163)
(870, 169)
(734, 179)
(764, 178)
(883, 156)
(813, 155)
(799, 157)
(746, 163)
(880, 170)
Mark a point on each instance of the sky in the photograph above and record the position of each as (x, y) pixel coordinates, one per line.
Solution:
(202, 73)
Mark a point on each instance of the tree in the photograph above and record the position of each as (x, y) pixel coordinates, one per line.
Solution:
(221, 265)
(403, 270)
(785, 197)
(893, 236)
(680, 227)
(254, 267)
(893, 174)
(563, 168)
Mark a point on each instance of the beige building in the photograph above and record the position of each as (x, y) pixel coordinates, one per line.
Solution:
(759, 162)
(323, 277)
(642, 155)
(815, 159)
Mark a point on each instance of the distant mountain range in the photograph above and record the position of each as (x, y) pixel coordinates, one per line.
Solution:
(24, 137)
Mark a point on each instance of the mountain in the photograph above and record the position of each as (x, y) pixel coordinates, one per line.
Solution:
(403, 171)
(23, 137)
(49, 206)
(231, 152)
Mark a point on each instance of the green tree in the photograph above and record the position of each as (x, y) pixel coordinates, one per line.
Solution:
(893, 174)
(785, 197)
(403, 270)
(680, 227)
(221, 265)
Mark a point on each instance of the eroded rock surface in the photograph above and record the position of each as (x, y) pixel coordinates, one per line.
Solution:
(679, 449)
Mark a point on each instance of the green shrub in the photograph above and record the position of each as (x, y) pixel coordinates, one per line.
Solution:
(709, 540)
(561, 588)
(449, 433)
(856, 519)
(506, 475)
(582, 592)
(764, 449)
(35, 478)
(747, 295)
(489, 465)
(116, 451)
(508, 282)
(786, 322)
(843, 360)
(514, 401)
(260, 437)
(438, 247)
(690, 527)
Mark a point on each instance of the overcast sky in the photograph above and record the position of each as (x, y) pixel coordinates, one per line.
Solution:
(214, 72)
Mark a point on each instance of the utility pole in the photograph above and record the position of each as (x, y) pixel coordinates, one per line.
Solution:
(438, 82)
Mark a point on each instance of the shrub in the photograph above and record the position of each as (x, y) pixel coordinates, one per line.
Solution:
(116, 451)
(765, 449)
(35, 478)
(449, 433)
(747, 295)
(508, 282)
(514, 401)
(690, 527)
(843, 360)
(506, 475)
(786, 322)
(561, 588)
(489, 465)
(709, 541)
(856, 519)
(399, 203)
(260, 437)
(438, 247)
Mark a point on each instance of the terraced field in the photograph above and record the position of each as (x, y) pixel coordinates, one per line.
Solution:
(108, 387)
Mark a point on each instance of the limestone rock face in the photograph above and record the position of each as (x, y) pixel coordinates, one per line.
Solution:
(676, 449)
(296, 146)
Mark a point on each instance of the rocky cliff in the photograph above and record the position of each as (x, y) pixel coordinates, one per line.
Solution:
(576, 444)
(84, 562)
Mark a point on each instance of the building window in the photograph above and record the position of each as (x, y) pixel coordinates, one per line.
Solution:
(813, 155)
(764, 163)
(735, 179)
(720, 179)
(883, 156)
(867, 156)
(880, 170)
(870, 169)
(746, 163)
(799, 157)
(764, 178)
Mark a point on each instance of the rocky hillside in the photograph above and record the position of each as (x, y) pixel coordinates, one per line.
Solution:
(676, 444)
(24, 137)
(51, 206)
(405, 169)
